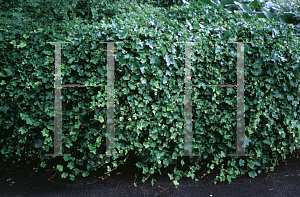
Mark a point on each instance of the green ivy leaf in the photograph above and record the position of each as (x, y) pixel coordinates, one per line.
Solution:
(252, 174)
(267, 141)
(153, 181)
(101, 119)
(71, 60)
(72, 177)
(70, 165)
(29, 121)
(153, 59)
(64, 175)
(43, 164)
(77, 125)
(290, 97)
(21, 45)
(176, 183)
(60, 168)
(13, 42)
(222, 154)
(171, 176)
(142, 69)
(85, 174)
(241, 162)
(94, 60)
(77, 171)
(23, 130)
(4, 109)
(2, 82)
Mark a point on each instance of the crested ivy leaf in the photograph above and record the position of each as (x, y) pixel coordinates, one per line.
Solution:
(60, 168)
(225, 2)
(64, 175)
(9, 71)
(150, 43)
(38, 144)
(252, 174)
(241, 162)
(4, 109)
(246, 8)
(267, 12)
(290, 97)
(142, 69)
(85, 174)
(222, 154)
(122, 34)
(71, 60)
(168, 60)
(70, 165)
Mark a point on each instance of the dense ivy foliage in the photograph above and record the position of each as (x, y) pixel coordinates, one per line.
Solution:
(149, 80)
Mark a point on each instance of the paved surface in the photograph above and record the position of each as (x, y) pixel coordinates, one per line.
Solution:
(283, 181)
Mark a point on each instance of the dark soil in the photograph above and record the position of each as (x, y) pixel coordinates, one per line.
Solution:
(24, 181)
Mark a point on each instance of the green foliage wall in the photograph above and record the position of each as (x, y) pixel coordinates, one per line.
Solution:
(149, 77)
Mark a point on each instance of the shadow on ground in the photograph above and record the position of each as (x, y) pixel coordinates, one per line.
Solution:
(24, 181)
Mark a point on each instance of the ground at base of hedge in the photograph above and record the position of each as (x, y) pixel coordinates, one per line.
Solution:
(283, 181)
